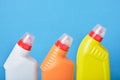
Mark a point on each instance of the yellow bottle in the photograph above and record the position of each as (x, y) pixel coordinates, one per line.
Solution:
(92, 57)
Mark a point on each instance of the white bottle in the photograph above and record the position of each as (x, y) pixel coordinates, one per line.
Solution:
(20, 65)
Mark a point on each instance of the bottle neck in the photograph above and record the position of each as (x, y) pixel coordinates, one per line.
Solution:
(18, 50)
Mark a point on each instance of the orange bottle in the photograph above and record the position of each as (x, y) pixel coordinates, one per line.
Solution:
(56, 65)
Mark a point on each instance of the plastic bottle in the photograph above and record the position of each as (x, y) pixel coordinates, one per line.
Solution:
(56, 66)
(92, 57)
(20, 65)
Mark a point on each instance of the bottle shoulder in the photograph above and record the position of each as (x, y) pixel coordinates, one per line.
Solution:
(90, 46)
(64, 62)
(20, 61)
(31, 59)
(89, 42)
(57, 62)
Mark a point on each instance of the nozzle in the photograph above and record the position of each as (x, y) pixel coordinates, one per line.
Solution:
(26, 41)
(64, 42)
(98, 32)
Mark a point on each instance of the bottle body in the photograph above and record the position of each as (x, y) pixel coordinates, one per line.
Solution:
(92, 61)
(56, 66)
(20, 65)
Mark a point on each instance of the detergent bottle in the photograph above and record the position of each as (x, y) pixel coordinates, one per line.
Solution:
(19, 64)
(56, 66)
(92, 57)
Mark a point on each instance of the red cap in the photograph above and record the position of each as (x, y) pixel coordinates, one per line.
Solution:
(64, 42)
(26, 41)
(98, 33)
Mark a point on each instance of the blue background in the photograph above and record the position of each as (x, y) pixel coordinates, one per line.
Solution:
(49, 19)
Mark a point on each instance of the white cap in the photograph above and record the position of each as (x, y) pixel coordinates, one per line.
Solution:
(66, 39)
(100, 30)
